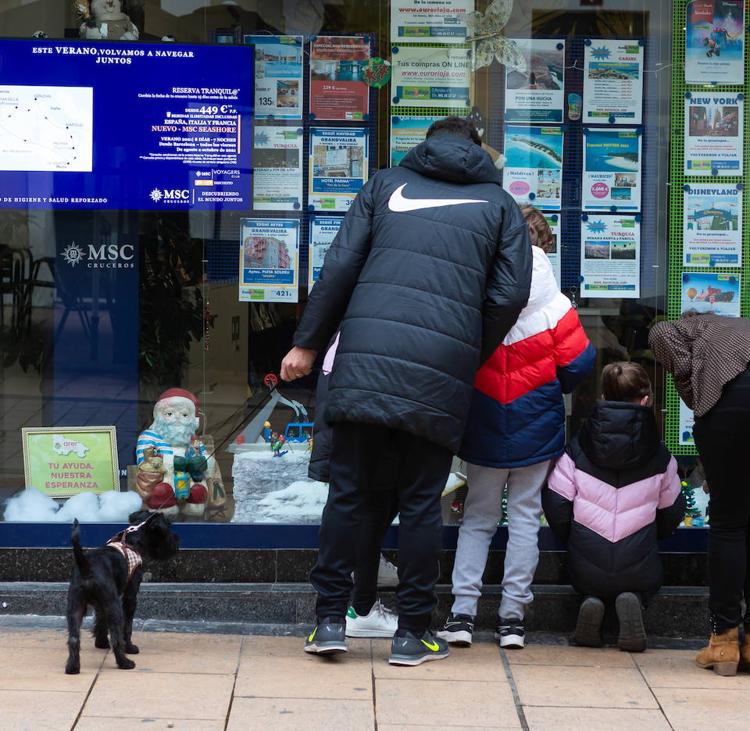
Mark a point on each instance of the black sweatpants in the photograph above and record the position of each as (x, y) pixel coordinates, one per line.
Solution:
(420, 471)
(721, 437)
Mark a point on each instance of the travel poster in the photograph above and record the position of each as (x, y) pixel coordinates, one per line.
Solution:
(613, 82)
(537, 95)
(611, 170)
(712, 226)
(269, 260)
(338, 167)
(715, 42)
(711, 292)
(610, 256)
(533, 165)
(279, 76)
(686, 424)
(430, 21)
(323, 230)
(555, 255)
(337, 87)
(408, 132)
(713, 133)
(277, 168)
(430, 77)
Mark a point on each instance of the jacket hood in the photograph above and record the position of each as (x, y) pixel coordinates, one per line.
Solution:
(619, 436)
(453, 158)
(543, 283)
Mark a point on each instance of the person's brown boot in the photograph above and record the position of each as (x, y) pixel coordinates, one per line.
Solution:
(722, 654)
(745, 655)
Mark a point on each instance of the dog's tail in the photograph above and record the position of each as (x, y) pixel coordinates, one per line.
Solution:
(81, 561)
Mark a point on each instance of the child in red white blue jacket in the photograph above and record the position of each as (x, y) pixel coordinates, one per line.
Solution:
(516, 427)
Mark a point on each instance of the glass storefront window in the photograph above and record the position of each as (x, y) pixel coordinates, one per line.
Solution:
(171, 303)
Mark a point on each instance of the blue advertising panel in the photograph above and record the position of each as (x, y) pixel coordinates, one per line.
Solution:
(125, 126)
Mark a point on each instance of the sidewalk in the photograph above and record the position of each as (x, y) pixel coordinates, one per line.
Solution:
(211, 682)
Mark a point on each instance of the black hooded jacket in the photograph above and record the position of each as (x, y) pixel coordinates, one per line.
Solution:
(428, 273)
(612, 495)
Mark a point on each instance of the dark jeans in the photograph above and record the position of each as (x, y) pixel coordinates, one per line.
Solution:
(420, 471)
(368, 550)
(721, 437)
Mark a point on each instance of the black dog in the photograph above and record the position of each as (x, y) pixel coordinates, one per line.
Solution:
(108, 579)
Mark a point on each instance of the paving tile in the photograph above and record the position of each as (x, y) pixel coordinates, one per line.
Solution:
(108, 723)
(402, 727)
(259, 646)
(161, 695)
(305, 676)
(24, 710)
(285, 714)
(184, 653)
(588, 687)
(569, 656)
(480, 662)
(597, 719)
(701, 708)
(35, 638)
(677, 669)
(448, 703)
(43, 669)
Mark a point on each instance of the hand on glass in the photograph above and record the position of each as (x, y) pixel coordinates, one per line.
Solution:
(297, 363)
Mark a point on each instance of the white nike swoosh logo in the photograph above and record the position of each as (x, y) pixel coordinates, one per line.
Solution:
(398, 204)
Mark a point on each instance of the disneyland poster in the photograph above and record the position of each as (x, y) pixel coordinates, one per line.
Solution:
(431, 77)
(613, 82)
(269, 260)
(533, 165)
(338, 167)
(712, 226)
(711, 292)
(408, 132)
(715, 42)
(537, 94)
(338, 91)
(686, 424)
(611, 170)
(323, 230)
(277, 168)
(714, 123)
(430, 21)
(279, 76)
(610, 256)
(554, 255)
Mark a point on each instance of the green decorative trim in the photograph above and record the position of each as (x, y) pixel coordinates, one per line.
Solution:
(676, 203)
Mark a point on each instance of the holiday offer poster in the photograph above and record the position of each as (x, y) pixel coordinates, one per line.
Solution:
(338, 167)
(337, 87)
(713, 133)
(712, 226)
(610, 256)
(709, 292)
(536, 95)
(279, 76)
(611, 170)
(323, 230)
(269, 260)
(408, 132)
(277, 169)
(533, 165)
(715, 42)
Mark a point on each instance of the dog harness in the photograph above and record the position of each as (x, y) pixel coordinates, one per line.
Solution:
(132, 557)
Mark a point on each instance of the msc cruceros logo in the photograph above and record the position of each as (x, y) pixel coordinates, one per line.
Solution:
(101, 256)
(170, 195)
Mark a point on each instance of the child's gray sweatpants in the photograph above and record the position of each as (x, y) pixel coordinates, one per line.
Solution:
(482, 511)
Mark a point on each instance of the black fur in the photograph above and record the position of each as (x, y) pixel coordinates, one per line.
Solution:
(100, 580)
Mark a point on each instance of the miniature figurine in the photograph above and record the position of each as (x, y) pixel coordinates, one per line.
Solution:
(104, 20)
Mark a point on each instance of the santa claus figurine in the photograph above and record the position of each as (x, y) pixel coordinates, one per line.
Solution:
(172, 437)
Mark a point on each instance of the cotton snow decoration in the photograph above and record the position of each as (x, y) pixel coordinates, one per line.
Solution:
(33, 506)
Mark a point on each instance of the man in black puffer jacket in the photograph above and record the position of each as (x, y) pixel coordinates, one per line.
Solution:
(428, 273)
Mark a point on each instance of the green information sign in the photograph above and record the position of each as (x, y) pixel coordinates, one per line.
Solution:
(61, 462)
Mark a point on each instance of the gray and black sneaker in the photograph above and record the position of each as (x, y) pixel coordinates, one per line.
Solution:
(408, 648)
(632, 632)
(328, 637)
(510, 634)
(589, 625)
(457, 630)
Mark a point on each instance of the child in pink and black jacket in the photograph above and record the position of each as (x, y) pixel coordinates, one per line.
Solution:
(611, 497)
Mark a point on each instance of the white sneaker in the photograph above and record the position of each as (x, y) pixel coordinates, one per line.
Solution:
(380, 622)
(387, 573)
